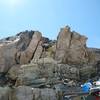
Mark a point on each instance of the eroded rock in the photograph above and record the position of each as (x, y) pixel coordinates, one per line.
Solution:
(5, 93)
(71, 47)
(46, 71)
(7, 56)
(26, 55)
(28, 93)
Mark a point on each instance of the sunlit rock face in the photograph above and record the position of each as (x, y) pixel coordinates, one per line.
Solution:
(24, 56)
(36, 68)
(71, 47)
(7, 56)
(19, 50)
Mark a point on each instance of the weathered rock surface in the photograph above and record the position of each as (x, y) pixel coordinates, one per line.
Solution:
(44, 73)
(13, 72)
(19, 51)
(29, 62)
(87, 72)
(23, 93)
(5, 93)
(38, 52)
(71, 47)
(26, 55)
(29, 75)
(97, 53)
(28, 93)
(7, 56)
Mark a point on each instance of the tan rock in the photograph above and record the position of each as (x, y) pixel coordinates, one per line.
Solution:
(27, 55)
(63, 43)
(38, 53)
(7, 56)
(71, 47)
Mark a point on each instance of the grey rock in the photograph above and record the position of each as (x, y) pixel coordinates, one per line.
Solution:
(28, 93)
(7, 56)
(23, 93)
(45, 72)
(26, 55)
(87, 72)
(5, 93)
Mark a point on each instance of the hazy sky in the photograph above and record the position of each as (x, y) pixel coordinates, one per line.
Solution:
(48, 16)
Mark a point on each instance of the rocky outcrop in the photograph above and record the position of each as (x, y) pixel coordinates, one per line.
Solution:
(71, 47)
(36, 68)
(29, 46)
(19, 51)
(44, 72)
(25, 56)
(7, 56)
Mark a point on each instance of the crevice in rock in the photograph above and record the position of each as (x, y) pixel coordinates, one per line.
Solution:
(70, 39)
(34, 51)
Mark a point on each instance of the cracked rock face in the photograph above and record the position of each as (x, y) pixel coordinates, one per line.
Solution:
(7, 56)
(71, 47)
(25, 56)
(18, 51)
(31, 63)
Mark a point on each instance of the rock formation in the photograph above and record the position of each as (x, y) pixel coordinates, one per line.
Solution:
(25, 56)
(71, 47)
(7, 56)
(19, 51)
(37, 68)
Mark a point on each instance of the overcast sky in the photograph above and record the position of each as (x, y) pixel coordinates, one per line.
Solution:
(48, 16)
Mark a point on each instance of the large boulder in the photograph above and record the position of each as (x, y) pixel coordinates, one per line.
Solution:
(7, 56)
(43, 72)
(29, 75)
(19, 51)
(71, 47)
(34, 75)
(25, 56)
(9, 48)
